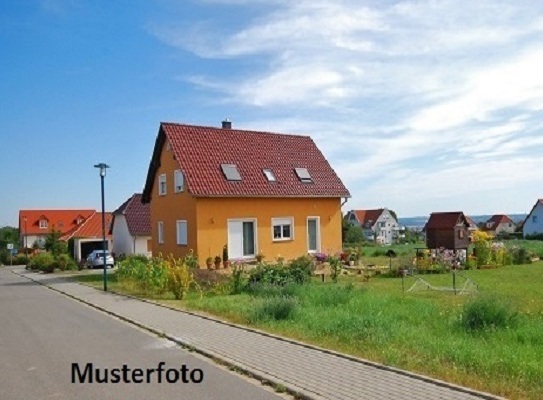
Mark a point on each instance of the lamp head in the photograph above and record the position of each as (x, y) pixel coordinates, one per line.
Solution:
(102, 167)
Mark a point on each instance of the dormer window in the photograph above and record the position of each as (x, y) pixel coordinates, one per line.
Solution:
(269, 175)
(303, 175)
(43, 224)
(231, 172)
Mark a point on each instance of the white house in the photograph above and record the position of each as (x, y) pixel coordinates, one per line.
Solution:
(131, 227)
(533, 224)
(378, 225)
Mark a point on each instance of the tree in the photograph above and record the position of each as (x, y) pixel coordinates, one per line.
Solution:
(352, 233)
(54, 244)
(8, 234)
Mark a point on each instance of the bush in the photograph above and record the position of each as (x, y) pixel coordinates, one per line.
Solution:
(65, 262)
(6, 259)
(520, 256)
(274, 308)
(180, 278)
(298, 272)
(487, 313)
(44, 262)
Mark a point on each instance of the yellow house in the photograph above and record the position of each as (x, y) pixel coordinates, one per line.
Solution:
(256, 192)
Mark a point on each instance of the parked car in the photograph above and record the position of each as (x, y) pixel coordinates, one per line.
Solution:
(96, 259)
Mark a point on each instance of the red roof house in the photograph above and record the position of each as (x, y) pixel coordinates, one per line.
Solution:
(83, 226)
(499, 223)
(255, 192)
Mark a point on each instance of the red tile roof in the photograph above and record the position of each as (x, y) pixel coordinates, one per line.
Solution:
(64, 221)
(496, 220)
(445, 220)
(92, 227)
(137, 214)
(200, 151)
(368, 216)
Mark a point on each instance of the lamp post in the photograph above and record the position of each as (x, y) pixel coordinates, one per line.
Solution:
(25, 242)
(102, 167)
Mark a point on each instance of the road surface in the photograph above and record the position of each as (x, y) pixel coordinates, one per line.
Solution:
(49, 343)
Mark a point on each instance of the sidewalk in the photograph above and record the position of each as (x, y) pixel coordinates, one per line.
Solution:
(313, 373)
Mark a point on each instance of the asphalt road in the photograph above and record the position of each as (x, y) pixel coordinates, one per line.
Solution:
(44, 334)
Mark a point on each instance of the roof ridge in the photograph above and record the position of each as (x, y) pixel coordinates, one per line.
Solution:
(218, 128)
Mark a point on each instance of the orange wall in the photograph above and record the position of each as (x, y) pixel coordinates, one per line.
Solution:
(207, 220)
(170, 208)
(213, 214)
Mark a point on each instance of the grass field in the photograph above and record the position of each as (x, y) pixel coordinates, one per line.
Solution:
(420, 331)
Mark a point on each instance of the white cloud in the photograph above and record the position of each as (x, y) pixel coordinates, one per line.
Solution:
(401, 96)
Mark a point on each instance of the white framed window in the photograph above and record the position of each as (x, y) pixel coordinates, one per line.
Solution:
(162, 184)
(43, 224)
(313, 235)
(168, 146)
(181, 232)
(282, 228)
(179, 181)
(160, 232)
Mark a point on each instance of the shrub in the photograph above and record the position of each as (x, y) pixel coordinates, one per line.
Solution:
(274, 308)
(298, 272)
(180, 279)
(44, 262)
(65, 262)
(487, 313)
(520, 256)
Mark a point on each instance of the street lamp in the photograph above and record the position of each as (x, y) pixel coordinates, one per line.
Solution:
(25, 242)
(103, 167)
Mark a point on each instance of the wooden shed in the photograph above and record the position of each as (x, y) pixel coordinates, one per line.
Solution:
(449, 230)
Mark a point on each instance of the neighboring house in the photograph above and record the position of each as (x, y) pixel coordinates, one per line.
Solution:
(378, 225)
(131, 227)
(499, 223)
(82, 229)
(256, 192)
(533, 224)
(448, 230)
(472, 226)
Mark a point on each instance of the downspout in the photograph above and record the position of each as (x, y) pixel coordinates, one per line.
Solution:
(345, 201)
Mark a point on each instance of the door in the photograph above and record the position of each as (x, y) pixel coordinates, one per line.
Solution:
(241, 239)
(313, 235)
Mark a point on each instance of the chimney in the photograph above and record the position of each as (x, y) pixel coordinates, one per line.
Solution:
(226, 124)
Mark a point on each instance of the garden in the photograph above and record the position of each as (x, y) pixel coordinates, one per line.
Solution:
(491, 339)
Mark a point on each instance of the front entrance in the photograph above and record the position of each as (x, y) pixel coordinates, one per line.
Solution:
(241, 238)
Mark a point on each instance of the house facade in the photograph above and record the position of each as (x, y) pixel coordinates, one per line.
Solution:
(449, 230)
(499, 224)
(82, 229)
(378, 225)
(131, 227)
(533, 224)
(255, 192)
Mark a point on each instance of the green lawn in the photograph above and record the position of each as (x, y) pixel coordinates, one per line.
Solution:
(420, 331)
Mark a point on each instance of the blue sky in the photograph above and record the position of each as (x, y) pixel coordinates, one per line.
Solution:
(419, 106)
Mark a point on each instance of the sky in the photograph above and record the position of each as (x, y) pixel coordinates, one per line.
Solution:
(419, 106)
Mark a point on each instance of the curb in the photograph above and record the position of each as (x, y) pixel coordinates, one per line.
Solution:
(265, 378)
